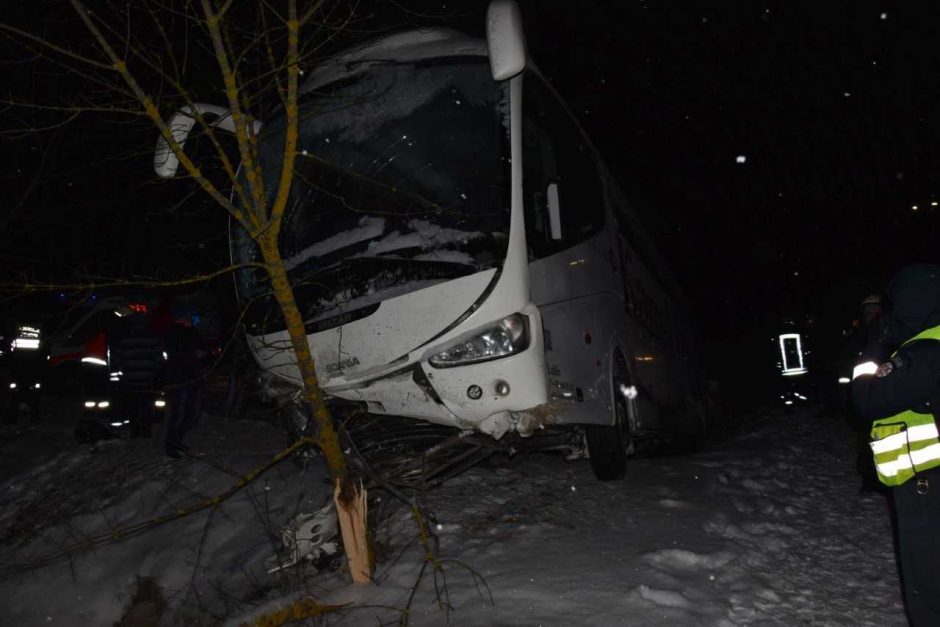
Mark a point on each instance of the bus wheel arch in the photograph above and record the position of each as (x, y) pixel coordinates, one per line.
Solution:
(609, 444)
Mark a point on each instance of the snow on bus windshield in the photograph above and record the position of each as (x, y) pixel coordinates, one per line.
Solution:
(402, 161)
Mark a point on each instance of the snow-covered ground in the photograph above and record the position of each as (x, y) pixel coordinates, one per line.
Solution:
(209, 565)
(766, 528)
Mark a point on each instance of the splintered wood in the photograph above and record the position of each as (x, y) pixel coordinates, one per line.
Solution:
(352, 510)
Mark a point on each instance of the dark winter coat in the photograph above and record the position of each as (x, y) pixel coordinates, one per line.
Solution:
(858, 346)
(136, 352)
(182, 346)
(914, 379)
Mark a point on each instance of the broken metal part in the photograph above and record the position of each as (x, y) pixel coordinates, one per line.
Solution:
(308, 537)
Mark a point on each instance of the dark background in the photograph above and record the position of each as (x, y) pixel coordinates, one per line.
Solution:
(834, 106)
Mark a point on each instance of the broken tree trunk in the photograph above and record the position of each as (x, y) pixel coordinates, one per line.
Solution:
(352, 508)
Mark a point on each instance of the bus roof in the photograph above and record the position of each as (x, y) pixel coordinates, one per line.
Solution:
(413, 45)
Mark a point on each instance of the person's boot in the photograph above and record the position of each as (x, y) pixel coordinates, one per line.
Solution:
(173, 452)
(872, 486)
(175, 449)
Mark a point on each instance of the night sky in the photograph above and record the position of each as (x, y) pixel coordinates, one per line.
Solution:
(832, 107)
(784, 154)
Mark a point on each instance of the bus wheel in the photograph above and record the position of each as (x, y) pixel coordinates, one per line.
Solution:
(608, 444)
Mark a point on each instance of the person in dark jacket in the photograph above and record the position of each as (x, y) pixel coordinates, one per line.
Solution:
(136, 354)
(184, 381)
(866, 332)
(900, 397)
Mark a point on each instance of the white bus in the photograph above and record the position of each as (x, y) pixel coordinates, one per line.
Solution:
(461, 255)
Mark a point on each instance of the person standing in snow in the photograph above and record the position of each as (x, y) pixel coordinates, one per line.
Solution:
(183, 346)
(135, 352)
(900, 398)
(866, 334)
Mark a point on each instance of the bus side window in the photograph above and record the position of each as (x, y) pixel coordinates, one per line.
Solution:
(625, 261)
(555, 151)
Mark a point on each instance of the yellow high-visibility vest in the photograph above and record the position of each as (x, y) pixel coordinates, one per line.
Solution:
(908, 442)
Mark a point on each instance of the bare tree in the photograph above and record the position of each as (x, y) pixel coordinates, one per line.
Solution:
(146, 60)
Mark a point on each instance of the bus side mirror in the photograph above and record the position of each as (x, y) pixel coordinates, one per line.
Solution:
(165, 162)
(505, 39)
(554, 211)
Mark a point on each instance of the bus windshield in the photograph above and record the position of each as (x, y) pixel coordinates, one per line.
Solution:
(401, 182)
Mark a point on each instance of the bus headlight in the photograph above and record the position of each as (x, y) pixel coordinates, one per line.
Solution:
(510, 335)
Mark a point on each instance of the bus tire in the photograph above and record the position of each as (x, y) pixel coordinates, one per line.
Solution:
(607, 444)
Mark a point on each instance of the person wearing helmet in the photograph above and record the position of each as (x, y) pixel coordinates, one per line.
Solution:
(865, 340)
(900, 399)
(865, 334)
(872, 306)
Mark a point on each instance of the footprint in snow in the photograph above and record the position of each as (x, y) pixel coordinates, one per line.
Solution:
(673, 504)
(752, 486)
(724, 529)
(715, 464)
(770, 537)
(664, 598)
(687, 561)
(765, 528)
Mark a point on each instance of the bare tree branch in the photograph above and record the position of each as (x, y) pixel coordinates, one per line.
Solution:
(153, 113)
(44, 43)
(232, 94)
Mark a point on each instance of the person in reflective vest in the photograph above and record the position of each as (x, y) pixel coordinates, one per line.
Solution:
(900, 398)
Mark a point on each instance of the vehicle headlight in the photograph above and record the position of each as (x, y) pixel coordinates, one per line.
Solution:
(508, 336)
